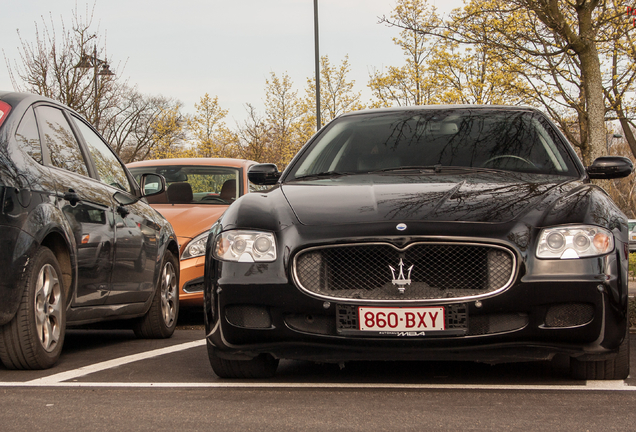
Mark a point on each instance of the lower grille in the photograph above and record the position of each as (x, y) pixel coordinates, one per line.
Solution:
(569, 315)
(496, 323)
(194, 286)
(381, 271)
(248, 316)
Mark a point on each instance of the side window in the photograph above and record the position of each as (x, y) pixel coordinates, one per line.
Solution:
(108, 166)
(28, 137)
(58, 136)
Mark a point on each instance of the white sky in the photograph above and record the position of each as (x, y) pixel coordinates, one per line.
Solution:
(227, 48)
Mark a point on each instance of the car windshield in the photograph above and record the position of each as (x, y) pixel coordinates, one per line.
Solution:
(421, 140)
(192, 184)
(631, 224)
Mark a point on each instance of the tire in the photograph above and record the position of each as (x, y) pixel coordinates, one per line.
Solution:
(613, 369)
(161, 319)
(33, 339)
(262, 366)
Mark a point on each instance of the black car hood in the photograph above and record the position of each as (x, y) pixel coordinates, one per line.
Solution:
(484, 197)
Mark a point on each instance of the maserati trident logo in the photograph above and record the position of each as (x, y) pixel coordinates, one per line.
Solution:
(401, 282)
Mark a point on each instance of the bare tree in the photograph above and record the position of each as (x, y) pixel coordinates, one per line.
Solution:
(52, 66)
(253, 137)
(131, 125)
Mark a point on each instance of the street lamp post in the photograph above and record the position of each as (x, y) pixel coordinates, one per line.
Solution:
(318, 119)
(100, 67)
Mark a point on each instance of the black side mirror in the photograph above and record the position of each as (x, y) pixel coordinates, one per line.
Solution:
(263, 174)
(610, 167)
(151, 184)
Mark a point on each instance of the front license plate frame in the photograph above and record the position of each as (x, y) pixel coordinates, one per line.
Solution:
(401, 319)
(455, 321)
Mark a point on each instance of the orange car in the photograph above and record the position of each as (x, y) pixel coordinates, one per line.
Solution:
(198, 192)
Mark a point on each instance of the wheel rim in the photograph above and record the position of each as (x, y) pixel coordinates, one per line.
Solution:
(168, 294)
(48, 307)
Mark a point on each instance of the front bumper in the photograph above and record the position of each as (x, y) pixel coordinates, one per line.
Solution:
(191, 282)
(580, 315)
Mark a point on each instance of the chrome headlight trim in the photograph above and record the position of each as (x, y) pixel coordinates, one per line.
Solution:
(245, 246)
(196, 247)
(574, 242)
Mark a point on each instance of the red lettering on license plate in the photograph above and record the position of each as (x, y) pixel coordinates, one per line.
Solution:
(401, 319)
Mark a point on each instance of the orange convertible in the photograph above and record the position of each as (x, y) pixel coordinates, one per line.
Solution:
(198, 192)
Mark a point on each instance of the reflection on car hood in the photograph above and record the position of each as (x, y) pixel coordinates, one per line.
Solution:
(190, 220)
(476, 198)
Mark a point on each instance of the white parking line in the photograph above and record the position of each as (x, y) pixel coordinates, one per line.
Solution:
(97, 367)
(590, 386)
(62, 380)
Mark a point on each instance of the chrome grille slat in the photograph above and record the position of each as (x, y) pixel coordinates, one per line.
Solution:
(440, 270)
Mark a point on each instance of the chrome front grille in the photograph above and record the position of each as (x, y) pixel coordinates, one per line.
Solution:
(435, 270)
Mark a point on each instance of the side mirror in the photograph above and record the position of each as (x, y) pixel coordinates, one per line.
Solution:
(152, 184)
(263, 174)
(610, 167)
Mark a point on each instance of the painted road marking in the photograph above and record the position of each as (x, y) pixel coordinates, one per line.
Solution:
(62, 379)
(97, 367)
(590, 386)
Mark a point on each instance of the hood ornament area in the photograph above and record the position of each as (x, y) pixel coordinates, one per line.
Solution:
(401, 281)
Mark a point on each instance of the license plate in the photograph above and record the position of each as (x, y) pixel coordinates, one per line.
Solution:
(401, 319)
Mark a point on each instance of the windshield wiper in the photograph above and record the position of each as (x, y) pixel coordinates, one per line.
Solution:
(434, 168)
(418, 168)
(324, 174)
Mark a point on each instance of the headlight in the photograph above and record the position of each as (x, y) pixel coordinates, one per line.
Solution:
(196, 247)
(577, 241)
(245, 246)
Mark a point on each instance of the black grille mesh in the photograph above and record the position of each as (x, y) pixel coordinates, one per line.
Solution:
(248, 316)
(569, 315)
(496, 323)
(363, 271)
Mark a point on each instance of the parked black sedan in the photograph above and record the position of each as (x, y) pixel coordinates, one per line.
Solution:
(79, 246)
(425, 233)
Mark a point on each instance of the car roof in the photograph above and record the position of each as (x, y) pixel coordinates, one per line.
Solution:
(228, 162)
(441, 107)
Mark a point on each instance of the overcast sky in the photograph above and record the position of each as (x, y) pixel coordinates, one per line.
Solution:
(227, 48)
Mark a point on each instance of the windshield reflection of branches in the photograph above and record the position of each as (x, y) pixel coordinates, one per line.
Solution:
(463, 138)
(63, 147)
(470, 203)
(108, 166)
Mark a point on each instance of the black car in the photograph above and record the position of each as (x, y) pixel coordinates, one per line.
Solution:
(424, 233)
(79, 246)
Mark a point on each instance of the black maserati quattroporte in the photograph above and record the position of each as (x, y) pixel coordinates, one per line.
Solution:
(425, 233)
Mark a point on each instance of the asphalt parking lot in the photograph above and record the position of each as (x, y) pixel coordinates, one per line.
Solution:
(110, 380)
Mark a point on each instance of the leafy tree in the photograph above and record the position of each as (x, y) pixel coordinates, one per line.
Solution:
(168, 134)
(410, 84)
(336, 94)
(556, 46)
(282, 112)
(211, 137)
(474, 75)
